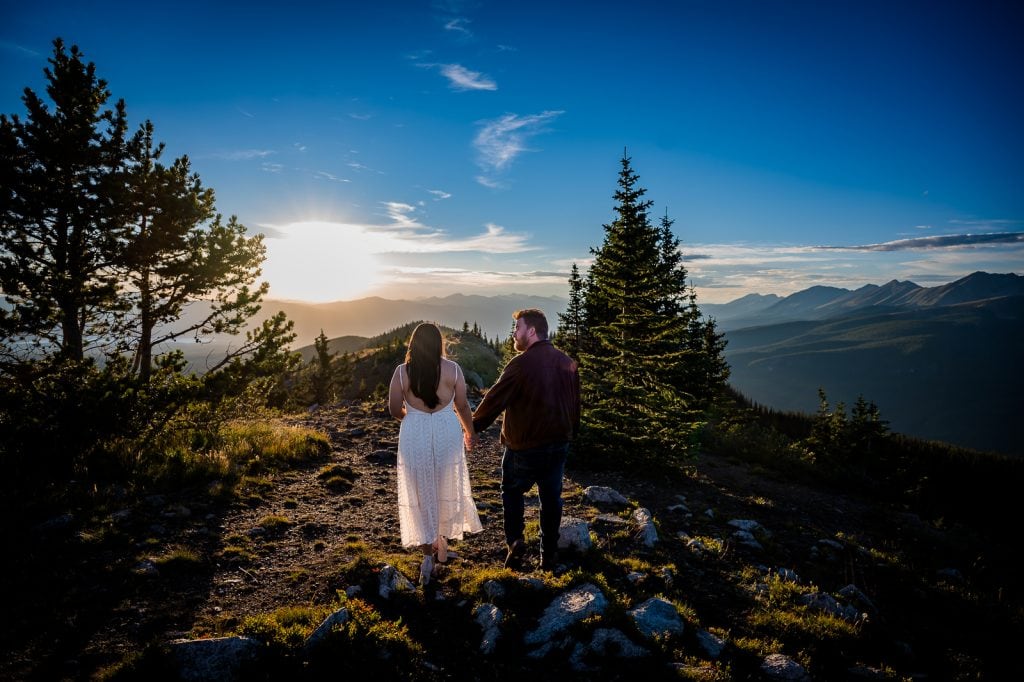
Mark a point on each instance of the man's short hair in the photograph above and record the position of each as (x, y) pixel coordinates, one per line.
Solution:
(533, 318)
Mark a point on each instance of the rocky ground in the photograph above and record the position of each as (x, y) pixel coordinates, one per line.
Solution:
(107, 593)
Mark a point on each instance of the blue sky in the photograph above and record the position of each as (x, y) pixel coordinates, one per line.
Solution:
(410, 149)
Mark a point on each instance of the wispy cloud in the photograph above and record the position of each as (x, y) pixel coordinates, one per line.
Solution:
(406, 234)
(439, 195)
(459, 25)
(245, 113)
(442, 280)
(723, 272)
(360, 117)
(461, 78)
(271, 167)
(329, 176)
(8, 46)
(501, 140)
(935, 242)
(241, 154)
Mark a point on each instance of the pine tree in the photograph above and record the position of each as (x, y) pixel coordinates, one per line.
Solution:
(179, 252)
(331, 374)
(60, 214)
(630, 363)
(571, 322)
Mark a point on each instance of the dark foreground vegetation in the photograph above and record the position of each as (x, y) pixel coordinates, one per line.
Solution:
(143, 503)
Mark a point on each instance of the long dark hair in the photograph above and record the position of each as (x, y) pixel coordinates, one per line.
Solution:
(423, 362)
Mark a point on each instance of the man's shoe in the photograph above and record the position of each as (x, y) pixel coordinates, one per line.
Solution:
(516, 551)
(548, 561)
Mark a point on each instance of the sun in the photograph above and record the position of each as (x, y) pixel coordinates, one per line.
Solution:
(320, 261)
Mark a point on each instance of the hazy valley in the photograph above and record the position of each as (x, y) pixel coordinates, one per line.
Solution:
(938, 361)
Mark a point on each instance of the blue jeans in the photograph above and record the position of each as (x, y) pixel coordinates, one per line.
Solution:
(520, 469)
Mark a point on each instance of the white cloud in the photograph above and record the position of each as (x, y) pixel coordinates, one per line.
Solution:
(948, 241)
(242, 154)
(329, 176)
(501, 140)
(459, 25)
(724, 272)
(439, 195)
(461, 78)
(406, 234)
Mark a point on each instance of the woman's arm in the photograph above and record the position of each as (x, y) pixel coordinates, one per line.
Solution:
(462, 408)
(396, 401)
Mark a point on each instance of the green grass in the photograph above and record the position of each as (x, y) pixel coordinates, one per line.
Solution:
(337, 477)
(255, 446)
(178, 558)
(275, 522)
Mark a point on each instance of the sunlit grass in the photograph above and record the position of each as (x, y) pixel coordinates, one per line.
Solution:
(262, 444)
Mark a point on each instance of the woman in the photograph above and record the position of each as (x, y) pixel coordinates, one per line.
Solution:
(434, 498)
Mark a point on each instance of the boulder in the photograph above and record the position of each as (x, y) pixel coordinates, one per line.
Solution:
(657, 617)
(603, 495)
(220, 658)
(568, 608)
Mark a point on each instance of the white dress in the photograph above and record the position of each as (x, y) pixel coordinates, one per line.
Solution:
(434, 495)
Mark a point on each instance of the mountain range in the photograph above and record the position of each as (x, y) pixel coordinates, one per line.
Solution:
(823, 302)
(372, 316)
(942, 363)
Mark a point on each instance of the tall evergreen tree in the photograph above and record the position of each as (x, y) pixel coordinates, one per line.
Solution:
(179, 253)
(571, 323)
(630, 363)
(60, 214)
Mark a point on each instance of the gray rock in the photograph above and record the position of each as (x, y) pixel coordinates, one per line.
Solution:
(635, 577)
(680, 508)
(647, 533)
(711, 644)
(657, 617)
(826, 603)
(612, 519)
(748, 525)
(787, 575)
(747, 539)
(853, 594)
(782, 667)
(61, 522)
(568, 608)
(709, 513)
(146, 568)
(220, 658)
(339, 617)
(950, 575)
(494, 590)
(574, 533)
(353, 590)
(612, 642)
(391, 580)
(603, 495)
(489, 617)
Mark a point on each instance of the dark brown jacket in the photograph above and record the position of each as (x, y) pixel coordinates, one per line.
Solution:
(539, 391)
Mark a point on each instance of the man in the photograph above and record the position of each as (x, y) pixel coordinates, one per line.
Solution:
(539, 392)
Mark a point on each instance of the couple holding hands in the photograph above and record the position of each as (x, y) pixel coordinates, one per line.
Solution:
(539, 393)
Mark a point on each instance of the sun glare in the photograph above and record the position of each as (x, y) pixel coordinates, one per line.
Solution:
(320, 262)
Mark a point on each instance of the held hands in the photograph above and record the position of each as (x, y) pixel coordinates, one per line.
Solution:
(470, 440)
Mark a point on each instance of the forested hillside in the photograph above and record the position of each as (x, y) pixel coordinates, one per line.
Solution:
(939, 373)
